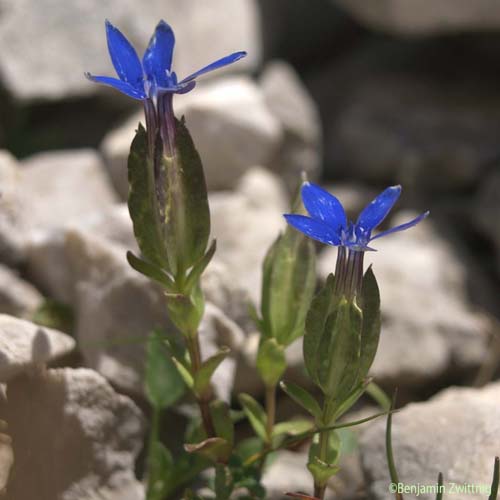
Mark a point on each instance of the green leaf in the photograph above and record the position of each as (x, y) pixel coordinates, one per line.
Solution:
(289, 279)
(223, 423)
(292, 427)
(271, 362)
(150, 271)
(339, 351)
(495, 481)
(439, 495)
(200, 266)
(332, 449)
(321, 307)
(184, 203)
(351, 399)
(143, 202)
(388, 448)
(184, 373)
(207, 369)
(379, 396)
(214, 448)
(160, 468)
(370, 333)
(164, 386)
(186, 311)
(321, 471)
(255, 414)
(302, 398)
(223, 482)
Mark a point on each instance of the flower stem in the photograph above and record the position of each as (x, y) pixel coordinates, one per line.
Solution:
(271, 411)
(193, 345)
(319, 489)
(154, 435)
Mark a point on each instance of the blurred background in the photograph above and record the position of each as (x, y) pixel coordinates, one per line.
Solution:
(359, 94)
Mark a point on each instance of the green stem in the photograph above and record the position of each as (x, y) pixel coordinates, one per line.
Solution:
(319, 489)
(271, 412)
(193, 345)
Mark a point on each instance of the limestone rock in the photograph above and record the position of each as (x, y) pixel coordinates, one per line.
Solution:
(24, 345)
(227, 26)
(428, 326)
(17, 297)
(84, 442)
(455, 432)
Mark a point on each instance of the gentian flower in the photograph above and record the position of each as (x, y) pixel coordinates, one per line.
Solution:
(154, 75)
(152, 79)
(327, 222)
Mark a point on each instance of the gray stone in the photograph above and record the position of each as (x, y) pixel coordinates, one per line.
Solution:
(425, 17)
(428, 326)
(84, 443)
(289, 101)
(245, 223)
(6, 457)
(456, 432)
(204, 33)
(231, 125)
(24, 345)
(11, 230)
(487, 210)
(48, 191)
(17, 297)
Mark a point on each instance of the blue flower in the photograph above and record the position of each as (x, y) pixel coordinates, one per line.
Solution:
(154, 75)
(327, 221)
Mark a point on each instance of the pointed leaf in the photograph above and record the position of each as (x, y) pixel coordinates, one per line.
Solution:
(143, 204)
(339, 351)
(207, 369)
(439, 495)
(150, 271)
(495, 481)
(164, 386)
(213, 448)
(271, 362)
(200, 266)
(319, 310)
(160, 468)
(184, 203)
(302, 398)
(184, 373)
(370, 333)
(223, 423)
(351, 399)
(255, 414)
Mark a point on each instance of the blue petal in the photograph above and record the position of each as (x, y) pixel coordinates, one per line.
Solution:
(313, 228)
(157, 60)
(323, 206)
(374, 213)
(124, 57)
(236, 56)
(402, 227)
(123, 87)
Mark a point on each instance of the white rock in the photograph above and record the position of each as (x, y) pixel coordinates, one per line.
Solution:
(17, 297)
(24, 345)
(231, 126)
(62, 186)
(456, 433)
(48, 191)
(204, 32)
(428, 326)
(74, 435)
(245, 223)
(426, 16)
